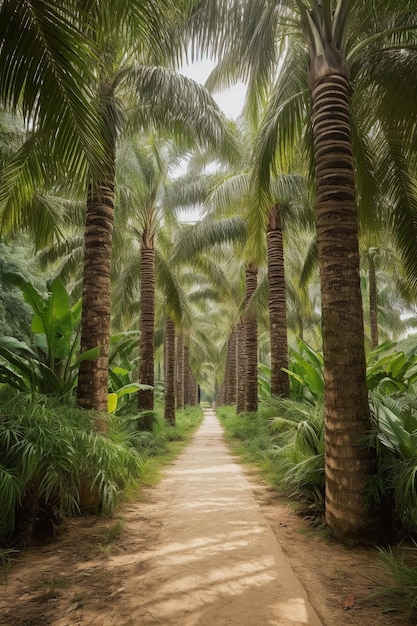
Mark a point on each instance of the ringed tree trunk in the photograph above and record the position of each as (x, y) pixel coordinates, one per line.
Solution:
(169, 360)
(373, 301)
(92, 387)
(277, 305)
(187, 391)
(230, 374)
(241, 367)
(251, 334)
(349, 464)
(179, 379)
(190, 386)
(147, 323)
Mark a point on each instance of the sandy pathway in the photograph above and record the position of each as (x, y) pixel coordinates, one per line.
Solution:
(217, 562)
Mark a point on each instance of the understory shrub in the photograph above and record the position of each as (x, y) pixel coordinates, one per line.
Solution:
(53, 458)
(401, 564)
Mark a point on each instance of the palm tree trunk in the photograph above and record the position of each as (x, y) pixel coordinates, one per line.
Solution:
(179, 379)
(277, 305)
(373, 301)
(348, 464)
(230, 374)
(241, 367)
(147, 323)
(251, 333)
(95, 321)
(187, 390)
(169, 360)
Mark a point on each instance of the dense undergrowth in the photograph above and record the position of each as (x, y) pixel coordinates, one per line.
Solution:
(57, 460)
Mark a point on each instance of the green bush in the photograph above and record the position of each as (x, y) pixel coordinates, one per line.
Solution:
(58, 460)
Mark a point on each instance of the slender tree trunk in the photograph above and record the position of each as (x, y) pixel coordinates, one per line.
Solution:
(169, 360)
(241, 367)
(373, 301)
(194, 390)
(179, 381)
(251, 334)
(348, 463)
(95, 321)
(187, 390)
(147, 323)
(277, 305)
(230, 376)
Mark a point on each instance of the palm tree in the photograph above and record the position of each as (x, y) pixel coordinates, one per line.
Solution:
(330, 32)
(340, 43)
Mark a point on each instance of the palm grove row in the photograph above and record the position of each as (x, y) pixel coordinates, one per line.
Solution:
(320, 166)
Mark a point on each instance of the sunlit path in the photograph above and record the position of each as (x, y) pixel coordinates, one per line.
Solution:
(217, 562)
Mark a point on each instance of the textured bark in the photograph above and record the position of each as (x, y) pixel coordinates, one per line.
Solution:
(194, 400)
(187, 384)
(147, 324)
(277, 305)
(230, 374)
(169, 360)
(241, 367)
(95, 321)
(179, 379)
(348, 464)
(373, 302)
(251, 336)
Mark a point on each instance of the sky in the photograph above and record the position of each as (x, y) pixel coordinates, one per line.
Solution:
(230, 100)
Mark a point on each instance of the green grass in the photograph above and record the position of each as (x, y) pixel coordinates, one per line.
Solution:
(401, 565)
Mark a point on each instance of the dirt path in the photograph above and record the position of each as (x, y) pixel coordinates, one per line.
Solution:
(209, 547)
(218, 561)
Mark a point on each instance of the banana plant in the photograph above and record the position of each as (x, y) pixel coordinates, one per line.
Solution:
(306, 373)
(391, 370)
(50, 364)
(122, 366)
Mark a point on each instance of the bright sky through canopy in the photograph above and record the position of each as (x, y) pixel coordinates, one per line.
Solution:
(230, 101)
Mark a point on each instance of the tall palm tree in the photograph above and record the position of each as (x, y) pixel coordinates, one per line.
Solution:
(331, 35)
(144, 171)
(340, 42)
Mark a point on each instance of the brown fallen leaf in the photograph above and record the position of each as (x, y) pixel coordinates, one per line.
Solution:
(349, 601)
(72, 607)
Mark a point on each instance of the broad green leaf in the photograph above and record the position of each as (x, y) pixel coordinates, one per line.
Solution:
(112, 402)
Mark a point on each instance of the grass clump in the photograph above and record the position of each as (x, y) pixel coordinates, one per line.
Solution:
(401, 566)
(58, 460)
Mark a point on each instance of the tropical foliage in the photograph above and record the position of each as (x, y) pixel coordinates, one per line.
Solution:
(51, 365)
